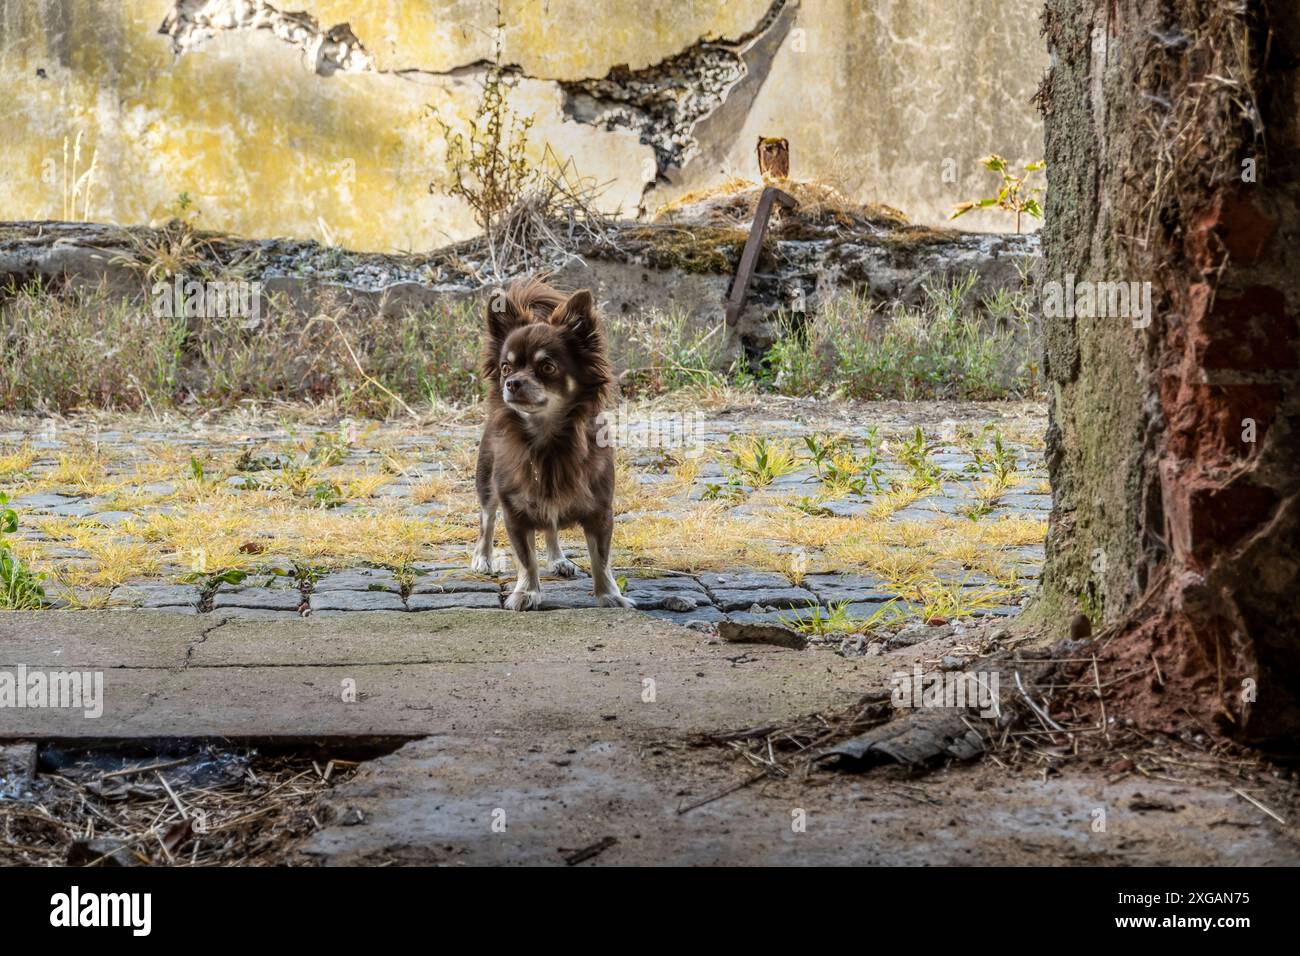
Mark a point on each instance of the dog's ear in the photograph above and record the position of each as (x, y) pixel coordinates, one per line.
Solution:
(503, 316)
(576, 317)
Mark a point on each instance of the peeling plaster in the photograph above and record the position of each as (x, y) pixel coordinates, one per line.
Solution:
(664, 103)
(190, 23)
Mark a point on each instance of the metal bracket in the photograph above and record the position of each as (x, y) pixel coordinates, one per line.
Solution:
(753, 246)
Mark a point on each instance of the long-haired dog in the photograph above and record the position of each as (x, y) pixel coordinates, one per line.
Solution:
(539, 461)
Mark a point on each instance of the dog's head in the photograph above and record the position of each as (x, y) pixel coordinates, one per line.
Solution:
(545, 353)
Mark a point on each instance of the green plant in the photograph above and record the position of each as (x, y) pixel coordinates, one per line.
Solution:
(838, 620)
(20, 587)
(212, 580)
(1002, 460)
(954, 599)
(86, 348)
(199, 469)
(990, 456)
(732, 490)
(91, 349)
(978, 510)
(488, 166)
(759, 462)
(821, 448)
(871, 463)
(326, 494)
(842, 471)
(914, 453)
(1014, 195)
(811, 508)
(327, 449)
(842, 475)
(949, 347)
(990, 453)
(796, 361)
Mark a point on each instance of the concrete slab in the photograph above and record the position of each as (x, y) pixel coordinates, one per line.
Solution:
(501, 799)
(113, 638)
(406, 674)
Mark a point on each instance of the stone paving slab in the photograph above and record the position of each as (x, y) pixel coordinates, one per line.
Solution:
(705, 614)
(359, 579)
(857, 610)
(454, 600)
(676, 582)
(730, 599)
(356, 601)
(564, 599)
(743, 580)
(265, 599)
(674, 600)
(77, 639)
(453, 585)
(261, 614)
(155, 595)
(834, 588)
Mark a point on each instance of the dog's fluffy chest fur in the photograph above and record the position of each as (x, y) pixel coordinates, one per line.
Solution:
(552, 482)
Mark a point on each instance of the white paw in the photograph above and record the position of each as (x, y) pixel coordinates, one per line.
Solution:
(486, 564)
(524, 600)
(614, 600)
(563, 567)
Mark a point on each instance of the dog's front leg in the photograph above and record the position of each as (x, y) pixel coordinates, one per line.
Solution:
(599, 535)
(527, 594)
(484, 562)
(556, 562)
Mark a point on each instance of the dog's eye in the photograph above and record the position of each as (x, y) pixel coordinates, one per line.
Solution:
(505, 368)
(548, 368)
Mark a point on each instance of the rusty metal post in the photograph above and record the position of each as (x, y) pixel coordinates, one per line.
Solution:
(753, 245)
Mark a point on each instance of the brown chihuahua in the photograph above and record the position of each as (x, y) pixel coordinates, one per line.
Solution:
(539, 460)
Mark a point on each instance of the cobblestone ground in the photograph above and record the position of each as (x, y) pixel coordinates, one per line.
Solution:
(843, 519)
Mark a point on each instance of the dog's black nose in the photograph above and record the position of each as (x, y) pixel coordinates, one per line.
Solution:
(512, 384)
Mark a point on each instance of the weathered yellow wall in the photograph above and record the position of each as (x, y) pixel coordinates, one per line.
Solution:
(548, 39)
(883, 91)
(889, 95)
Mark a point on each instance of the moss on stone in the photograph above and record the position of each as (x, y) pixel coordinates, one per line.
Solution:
(913, 236)
(693, 249)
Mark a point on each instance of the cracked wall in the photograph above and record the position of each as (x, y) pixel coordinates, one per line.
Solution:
(313, 122)
(190, 23)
